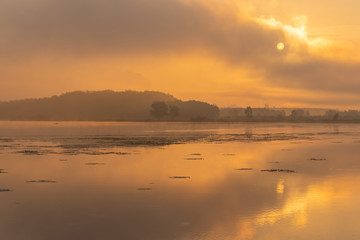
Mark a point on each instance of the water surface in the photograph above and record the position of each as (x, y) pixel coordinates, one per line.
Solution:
(181, 181)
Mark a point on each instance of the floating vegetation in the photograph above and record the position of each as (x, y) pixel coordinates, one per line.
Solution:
(122, 153)
(101, 153)
(116, 153)
(244, 169)
(257, 137)
(144, 189)
(123, 141)
(92, 152)
(71, 153)
(29, 152)
(286, 149)
(6, 140)
(194, 159)
(94, 164)
(96, 145)
(151, 183)
(83, 144)
(5, 190)
(41, 181)
(180, 177)
(278, 170)
(63, 160)
(317, 159)
(3, 171)
(41, 151)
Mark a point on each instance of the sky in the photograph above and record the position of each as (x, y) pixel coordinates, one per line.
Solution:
(299, 53)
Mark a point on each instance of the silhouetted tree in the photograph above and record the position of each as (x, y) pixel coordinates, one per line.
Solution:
(297, 113)
(197, 111)
(159, 109)
(173, 112)
(332, 115)
(248, 112)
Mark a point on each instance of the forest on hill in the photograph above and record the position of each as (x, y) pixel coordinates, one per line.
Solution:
(108, 106)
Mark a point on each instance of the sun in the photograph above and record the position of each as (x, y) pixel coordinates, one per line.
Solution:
(280, 46)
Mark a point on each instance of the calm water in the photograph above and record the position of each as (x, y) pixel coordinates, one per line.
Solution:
(154, 181)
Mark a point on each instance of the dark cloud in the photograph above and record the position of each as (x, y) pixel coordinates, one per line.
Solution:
(130, 27)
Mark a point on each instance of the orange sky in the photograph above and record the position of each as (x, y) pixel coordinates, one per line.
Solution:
(220, 51)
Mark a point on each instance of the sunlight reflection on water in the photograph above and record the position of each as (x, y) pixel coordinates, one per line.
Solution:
(164, 181)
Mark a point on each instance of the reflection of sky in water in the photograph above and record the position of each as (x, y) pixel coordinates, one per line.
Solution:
(97, 196)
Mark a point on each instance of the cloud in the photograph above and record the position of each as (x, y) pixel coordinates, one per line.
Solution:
(317, 74)
(136, 28)
(129, 27)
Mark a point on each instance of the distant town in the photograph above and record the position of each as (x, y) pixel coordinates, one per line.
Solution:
(267, 114)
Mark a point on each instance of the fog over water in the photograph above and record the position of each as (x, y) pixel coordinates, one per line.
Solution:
(193, 181)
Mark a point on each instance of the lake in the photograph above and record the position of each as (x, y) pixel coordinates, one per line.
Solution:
(179, 181)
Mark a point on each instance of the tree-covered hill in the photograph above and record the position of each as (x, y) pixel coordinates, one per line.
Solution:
(107, 106)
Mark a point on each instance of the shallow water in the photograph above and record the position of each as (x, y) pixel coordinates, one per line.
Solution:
(181, 181)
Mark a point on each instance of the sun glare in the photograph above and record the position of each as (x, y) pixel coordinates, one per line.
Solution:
(280, 46)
